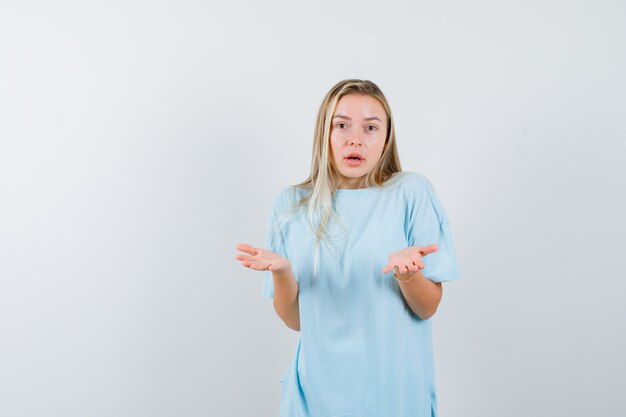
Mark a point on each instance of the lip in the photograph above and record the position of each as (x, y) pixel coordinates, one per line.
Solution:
(354, 162)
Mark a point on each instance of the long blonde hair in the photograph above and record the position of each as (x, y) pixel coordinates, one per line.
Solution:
(323, 177)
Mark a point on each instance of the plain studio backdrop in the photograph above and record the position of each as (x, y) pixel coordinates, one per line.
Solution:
(140, 141)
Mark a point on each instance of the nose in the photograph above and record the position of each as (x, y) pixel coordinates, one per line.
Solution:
(355, 140)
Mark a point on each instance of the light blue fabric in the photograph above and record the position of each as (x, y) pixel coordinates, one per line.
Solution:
(362, 351)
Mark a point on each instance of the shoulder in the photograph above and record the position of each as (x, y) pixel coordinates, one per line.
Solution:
(287, 197)
(418, 192)
(411, 183)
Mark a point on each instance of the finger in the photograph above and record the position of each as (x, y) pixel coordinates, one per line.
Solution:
(387, 268)
(244, 257)
(425, 250)
(420, 265)
(246, 248)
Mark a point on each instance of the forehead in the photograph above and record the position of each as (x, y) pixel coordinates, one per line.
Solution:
(360, 106)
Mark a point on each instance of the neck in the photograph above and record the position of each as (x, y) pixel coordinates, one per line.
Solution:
(352, 184)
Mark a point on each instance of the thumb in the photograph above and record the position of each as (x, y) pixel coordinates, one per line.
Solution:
(429, 249)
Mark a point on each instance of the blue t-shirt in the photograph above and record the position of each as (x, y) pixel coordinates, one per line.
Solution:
(362, 351)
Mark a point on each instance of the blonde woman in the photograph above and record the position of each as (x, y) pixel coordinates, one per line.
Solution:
(355, 260)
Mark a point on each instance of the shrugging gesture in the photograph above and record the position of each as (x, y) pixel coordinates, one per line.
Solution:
(409, 259)
(285, 284)
(261, 259)
(363, 319)
(420, 293)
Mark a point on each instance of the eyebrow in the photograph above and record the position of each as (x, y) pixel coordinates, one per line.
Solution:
(348, 118)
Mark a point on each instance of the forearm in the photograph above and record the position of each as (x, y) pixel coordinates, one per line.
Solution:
(286, 298)
(421, 294)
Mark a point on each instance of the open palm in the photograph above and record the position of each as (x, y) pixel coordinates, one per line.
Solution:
(409, 259)
(261, 259)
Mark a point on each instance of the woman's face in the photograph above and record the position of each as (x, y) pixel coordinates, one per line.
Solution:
(357, 138)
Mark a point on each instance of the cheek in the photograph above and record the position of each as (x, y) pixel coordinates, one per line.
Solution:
(334, 146)
(376, 142)
(378, 148)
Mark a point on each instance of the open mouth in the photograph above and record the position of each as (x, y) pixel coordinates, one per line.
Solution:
(354, 159)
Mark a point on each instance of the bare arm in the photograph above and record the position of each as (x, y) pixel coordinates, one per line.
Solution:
(421, 294)
(285, 284)
(286, 298)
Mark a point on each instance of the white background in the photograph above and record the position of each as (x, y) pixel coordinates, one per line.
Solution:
(140, 141)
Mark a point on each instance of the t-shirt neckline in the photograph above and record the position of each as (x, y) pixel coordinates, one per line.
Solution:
(354, 191)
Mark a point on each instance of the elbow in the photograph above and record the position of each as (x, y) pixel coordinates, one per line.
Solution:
(292, 322)
(293, 326)
(290, 317)
(429, 308)
(425, 313)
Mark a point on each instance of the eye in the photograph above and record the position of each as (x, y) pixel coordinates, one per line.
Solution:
(372, 128)
(341, 125)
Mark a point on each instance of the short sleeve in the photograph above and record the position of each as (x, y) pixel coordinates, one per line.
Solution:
(275, 241)
(427, 223)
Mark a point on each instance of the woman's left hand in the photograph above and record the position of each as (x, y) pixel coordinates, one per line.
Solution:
(409, 259)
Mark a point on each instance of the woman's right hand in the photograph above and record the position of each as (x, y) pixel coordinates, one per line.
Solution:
(261, 259)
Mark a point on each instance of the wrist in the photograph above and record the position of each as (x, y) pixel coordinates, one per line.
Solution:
(404, 277)
(283, 270)
(407, 276)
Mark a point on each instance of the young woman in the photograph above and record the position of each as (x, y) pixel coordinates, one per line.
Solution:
(357, 254)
